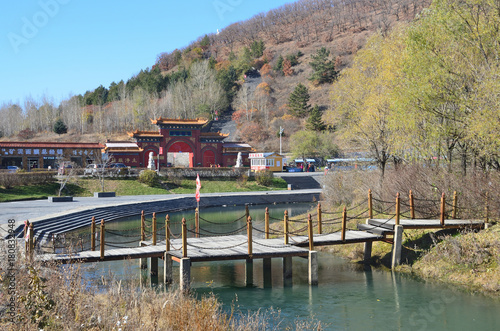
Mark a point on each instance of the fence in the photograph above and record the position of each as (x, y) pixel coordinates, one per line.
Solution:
(334, 221)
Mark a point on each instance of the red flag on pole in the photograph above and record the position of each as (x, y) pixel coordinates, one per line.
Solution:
(198, 186)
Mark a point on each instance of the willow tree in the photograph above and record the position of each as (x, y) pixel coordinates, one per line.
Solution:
(362, 99)
(451, 82)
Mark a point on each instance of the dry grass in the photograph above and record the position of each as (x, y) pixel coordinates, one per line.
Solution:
(470, 259)
(55, 297)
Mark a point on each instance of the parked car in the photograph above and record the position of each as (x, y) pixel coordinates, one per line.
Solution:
(92, 169)
(117, 165)
(119, 169)
(12, 169)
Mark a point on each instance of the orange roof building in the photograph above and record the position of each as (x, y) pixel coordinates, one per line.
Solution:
(30, 155)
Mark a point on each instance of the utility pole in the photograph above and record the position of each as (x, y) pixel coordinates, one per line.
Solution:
(281, 133)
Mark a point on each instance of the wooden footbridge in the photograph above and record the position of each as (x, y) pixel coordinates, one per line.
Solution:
(193, 246)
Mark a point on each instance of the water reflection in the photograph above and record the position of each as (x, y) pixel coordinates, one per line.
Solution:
(348, 296)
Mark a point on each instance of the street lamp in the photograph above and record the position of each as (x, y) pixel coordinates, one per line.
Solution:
(281, 133)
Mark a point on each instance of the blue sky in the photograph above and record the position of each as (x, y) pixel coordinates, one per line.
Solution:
(60, 48)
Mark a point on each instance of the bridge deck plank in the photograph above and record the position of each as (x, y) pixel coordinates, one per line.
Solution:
(427, 223)
(235, 247)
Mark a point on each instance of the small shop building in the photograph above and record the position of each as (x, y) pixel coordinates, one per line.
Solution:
(33, 155)
(266, 161)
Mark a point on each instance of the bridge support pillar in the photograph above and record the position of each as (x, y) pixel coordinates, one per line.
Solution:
(185, 273)
(143, 262)
(368, 247)
(313, 268)
(153, 271)
(368, 251)
(266, 268)
(397, 246)
(249, 272)
(287, 271)
(167, 269)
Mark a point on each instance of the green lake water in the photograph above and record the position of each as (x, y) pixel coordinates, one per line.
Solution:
(348, 297)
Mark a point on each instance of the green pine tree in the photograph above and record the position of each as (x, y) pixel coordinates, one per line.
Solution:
(60, 127)
(323, 68)
(298, 101)
(257, 48)
(278, 66)
(205, 42)
(315, 121)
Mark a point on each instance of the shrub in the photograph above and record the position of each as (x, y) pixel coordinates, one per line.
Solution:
(264, 178)
(149, 177)
(10, 180)
(242, 180)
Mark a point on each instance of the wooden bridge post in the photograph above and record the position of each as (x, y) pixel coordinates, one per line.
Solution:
(313, 267)
(197, 222)
(266, 223)
(454, 211)
(247, 212)
(31, 246)
(185, 274)
(153, 271)
(167, 259)
(249, 260)
(249, 234)
(154, 229)
(143, 262)
(370, 204)
(143, 226)
(185, 263)
(184, 238)
(443, 209)
(266, 262)
(310, 232)
(412, 206)
(397, 209)
(344, 224)
(320, 227)
(101, 244)
(397, 246)
(167, 233)
(285, 227)
(368, 249)
(313, 255)
(92, 234)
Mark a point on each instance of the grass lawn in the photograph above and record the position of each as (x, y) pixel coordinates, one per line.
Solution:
(85, 187)
(32, 192)
(229, 185)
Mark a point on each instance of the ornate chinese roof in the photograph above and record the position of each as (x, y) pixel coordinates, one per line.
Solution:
(213, 135)
(138, 133)
(122, 146)
(196, 121)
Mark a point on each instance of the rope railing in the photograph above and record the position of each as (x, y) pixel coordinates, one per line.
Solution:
(292, 227)
(217, 248)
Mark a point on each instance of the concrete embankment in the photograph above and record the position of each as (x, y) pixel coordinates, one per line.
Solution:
(51, 218)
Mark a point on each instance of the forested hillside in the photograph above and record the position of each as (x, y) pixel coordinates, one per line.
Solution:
(207, 77)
